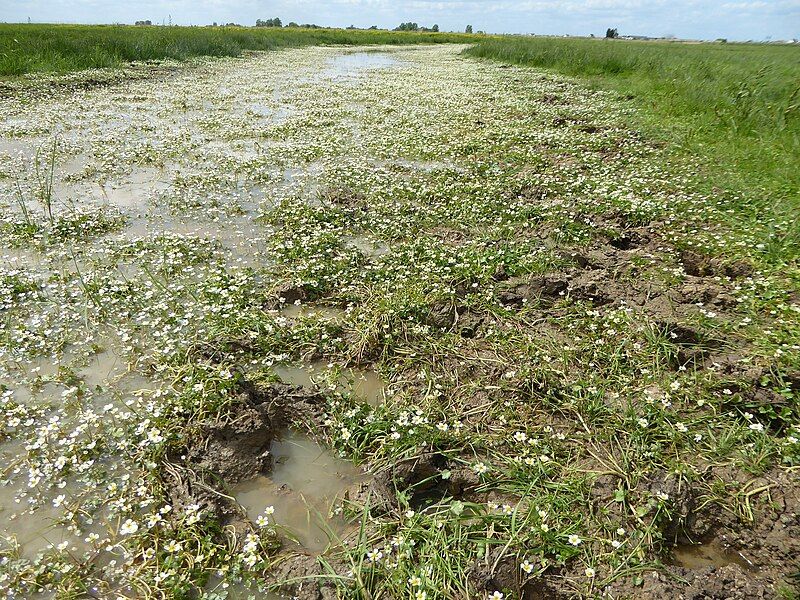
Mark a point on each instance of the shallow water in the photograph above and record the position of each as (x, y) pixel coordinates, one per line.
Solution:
(305, 482)
(365, 384)
(173, 159)
(711, 554)
(354, 63)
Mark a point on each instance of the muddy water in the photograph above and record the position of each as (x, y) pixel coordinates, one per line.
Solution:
(186, 161)
(364, 384)
(305, 482)
(714, 553)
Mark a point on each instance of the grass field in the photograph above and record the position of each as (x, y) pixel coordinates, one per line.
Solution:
(65, 48)
(735, 106)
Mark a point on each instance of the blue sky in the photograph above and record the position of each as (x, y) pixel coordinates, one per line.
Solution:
(703, 19)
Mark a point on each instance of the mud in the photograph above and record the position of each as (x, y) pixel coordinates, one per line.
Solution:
(421, 481)
(729, 582)
(236, 447)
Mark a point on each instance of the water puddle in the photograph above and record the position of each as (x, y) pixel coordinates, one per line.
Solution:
(303, 488)
(295, 311)
(16, 147)
(245, 241)
(370, 247)
(354, 63)
(365, 384)
(711, 554)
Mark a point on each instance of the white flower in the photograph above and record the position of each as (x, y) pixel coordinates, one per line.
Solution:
(480, 468)
(172, 546)
(129, 527)
(756, 427)
(250, 560)
(589, 572)
(575, 540)
(414, 581)
(527, 567)
(269, 510)
(496, 596)
(262, 521)
(681, 427)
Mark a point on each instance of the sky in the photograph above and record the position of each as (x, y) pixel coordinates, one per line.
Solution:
(694, 19)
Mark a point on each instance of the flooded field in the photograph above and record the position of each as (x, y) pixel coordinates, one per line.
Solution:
(377, 323)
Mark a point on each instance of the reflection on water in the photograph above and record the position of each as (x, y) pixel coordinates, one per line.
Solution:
(305, 482)
(353, 63)
(365, 384)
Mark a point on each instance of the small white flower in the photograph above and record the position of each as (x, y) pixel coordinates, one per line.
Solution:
(527, 567)
(480, 468)
(574, 540)
(589, 572)
(262, 521)
(129, 527)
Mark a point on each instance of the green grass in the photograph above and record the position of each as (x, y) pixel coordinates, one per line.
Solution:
(734, 106)
(65, 48)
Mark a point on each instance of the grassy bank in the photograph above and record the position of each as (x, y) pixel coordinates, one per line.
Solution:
(735, 106)
(64, 48)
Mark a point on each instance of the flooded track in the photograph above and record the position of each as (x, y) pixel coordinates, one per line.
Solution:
(323, 322)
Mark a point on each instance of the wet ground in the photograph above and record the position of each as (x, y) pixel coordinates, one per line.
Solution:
(163, 162)
(227, 290)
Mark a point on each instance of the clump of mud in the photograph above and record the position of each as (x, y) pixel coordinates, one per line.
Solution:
(235, 448)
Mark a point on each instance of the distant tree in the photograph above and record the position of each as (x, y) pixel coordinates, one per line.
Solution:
(407, 27)
(352, 27)
(374, 27)
(435, 28)
(293, 24)
(276, 22)
(468, 29)
(611, 34)
(148, 22)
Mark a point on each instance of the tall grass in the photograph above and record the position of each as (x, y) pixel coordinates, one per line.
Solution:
(63, 48)
(736, 106)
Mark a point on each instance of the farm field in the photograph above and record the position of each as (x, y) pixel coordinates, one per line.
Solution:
(386, 322)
